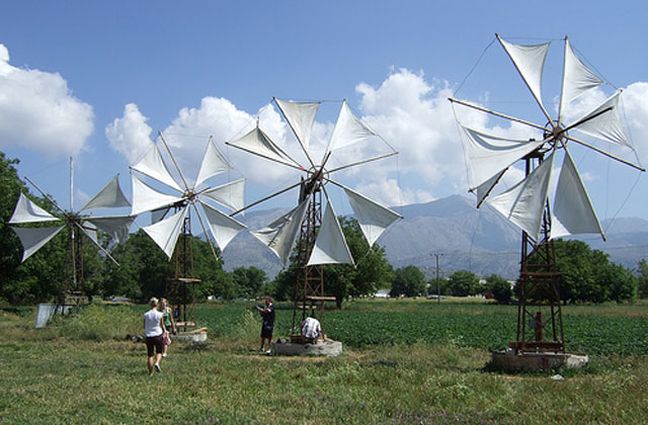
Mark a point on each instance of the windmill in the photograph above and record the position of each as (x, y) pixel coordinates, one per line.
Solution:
(78, 223)
(529, 204)
(317, 229)
(171, 227)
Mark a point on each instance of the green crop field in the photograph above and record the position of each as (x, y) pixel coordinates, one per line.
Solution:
(405, 362)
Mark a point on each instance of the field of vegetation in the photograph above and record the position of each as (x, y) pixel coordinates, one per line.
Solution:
(405, 362)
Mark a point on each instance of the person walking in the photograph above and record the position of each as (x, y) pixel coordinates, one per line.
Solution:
(169, 324)
(267, 325)
(153, 330)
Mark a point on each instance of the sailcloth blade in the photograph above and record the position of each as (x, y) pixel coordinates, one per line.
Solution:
(606, 126)
(524, 203)
(483, 190)
(529, 61)
(165, 233)
(348, 130)
(111, 196)
(222, 227)
(372, 217)
(577, 78)
(117, 227)
(213, 163)
(27, 211)
(153, 166)
(33, 239)
(330, 246)
(280, 235)
(572, 211)
(488, 155)
(145, 198)
(300, 116)
(231, 194)
(257, 142)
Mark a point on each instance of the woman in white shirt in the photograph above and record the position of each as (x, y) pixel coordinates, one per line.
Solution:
(153, 330)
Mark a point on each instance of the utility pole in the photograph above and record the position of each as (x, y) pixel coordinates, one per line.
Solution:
(436, 256)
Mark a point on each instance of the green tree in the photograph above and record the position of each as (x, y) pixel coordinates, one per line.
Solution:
(643, 279)
(587, 275)
(500, 288)
(463, 283)
(408, 281)
(249, 281)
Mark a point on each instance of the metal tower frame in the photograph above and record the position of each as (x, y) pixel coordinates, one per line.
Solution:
(539, 315)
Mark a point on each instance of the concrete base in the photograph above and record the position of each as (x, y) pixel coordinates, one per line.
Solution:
(197, 336)
(328, 348)
(536, 362)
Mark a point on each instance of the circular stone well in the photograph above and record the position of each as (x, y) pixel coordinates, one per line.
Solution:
(536, 362)
(196, 337)
(327, 347)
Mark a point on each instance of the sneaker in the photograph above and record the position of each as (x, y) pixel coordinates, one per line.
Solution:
(269, 352)
(164, 354)
(157, 368)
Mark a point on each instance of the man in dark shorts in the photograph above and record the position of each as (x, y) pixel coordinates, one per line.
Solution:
(267, 325)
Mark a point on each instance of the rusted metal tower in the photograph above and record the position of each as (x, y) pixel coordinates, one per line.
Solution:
(539, 316)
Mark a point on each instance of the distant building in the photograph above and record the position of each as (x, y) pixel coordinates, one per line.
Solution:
(382, 293)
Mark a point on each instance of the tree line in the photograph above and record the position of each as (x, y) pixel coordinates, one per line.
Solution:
(588, 275)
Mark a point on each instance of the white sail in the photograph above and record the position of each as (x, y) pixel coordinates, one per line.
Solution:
(231, 194)
(153, 166)
(484, 189)
(330, 246)
(348, 129)
(165, 233)
(117, 227)
(111, 196)
(280, 235)
(606, 126)
(372, 217)
(145, 198)
(258, 143)
(525, 202)
(90, 231)
(529, 61)
(572, 211)
(300, 116)
(34, 238)
(222, 227)
(28, 212)
(577, 78)
(488, 155)
(213, 163)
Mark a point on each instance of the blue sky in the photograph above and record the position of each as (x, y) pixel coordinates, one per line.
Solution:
(395, 62)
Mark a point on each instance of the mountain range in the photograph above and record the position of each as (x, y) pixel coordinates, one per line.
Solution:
(465, 238)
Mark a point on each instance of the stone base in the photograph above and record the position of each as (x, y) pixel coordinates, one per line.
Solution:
(536, 362)
(327, 347)
(197, 336)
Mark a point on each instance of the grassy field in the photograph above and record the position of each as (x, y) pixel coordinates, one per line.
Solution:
(405, 362)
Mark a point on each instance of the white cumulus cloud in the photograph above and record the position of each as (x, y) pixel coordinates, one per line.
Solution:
(39, 112)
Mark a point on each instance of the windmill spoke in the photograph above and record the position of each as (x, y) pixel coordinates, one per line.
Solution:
(202, 225)
(353, 164)
(497, 114)
(583, 121)
(49, 198)
(105, 251)
(602, 152)
(296, 167)
(265, 199)
(184, 181)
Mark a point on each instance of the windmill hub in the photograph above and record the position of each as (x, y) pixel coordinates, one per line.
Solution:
(555, 133)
